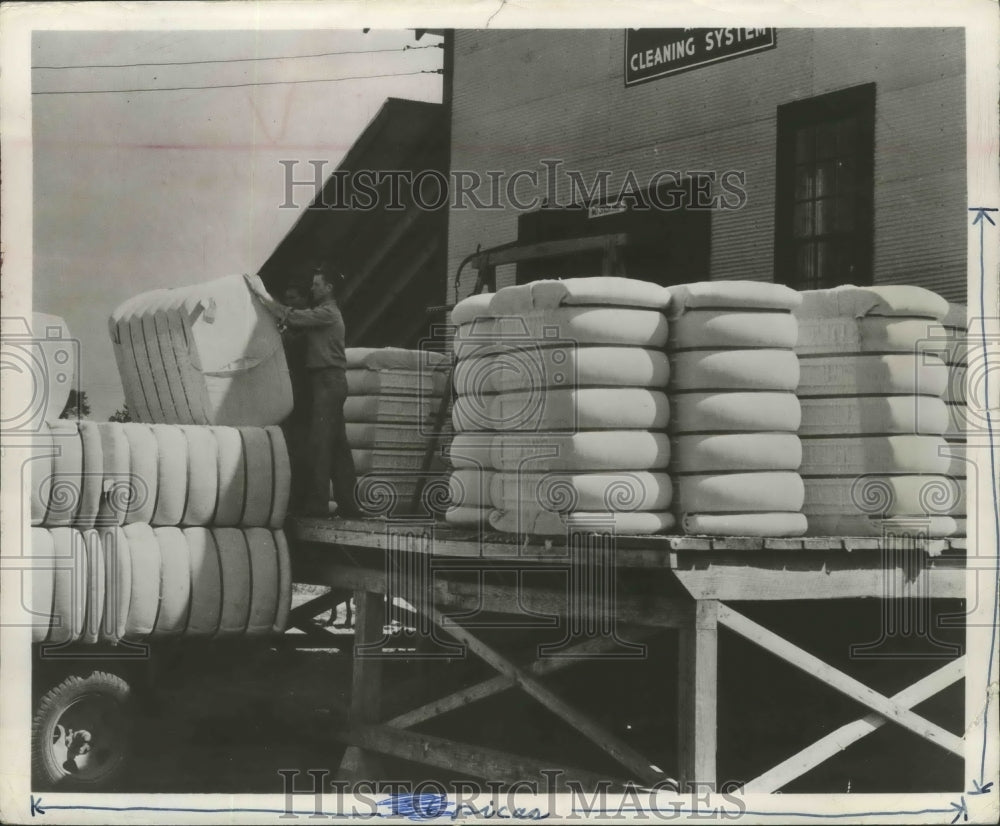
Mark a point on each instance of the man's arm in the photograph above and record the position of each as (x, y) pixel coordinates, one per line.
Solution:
(324, 315)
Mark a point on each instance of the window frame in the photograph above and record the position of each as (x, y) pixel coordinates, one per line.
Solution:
(856, 101)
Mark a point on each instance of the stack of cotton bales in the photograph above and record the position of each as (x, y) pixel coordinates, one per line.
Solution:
(143, 531)
(572, 384)
(733, 374)
(393, 398)
(956, 327)
(872, 411)
(475, 353)
(143, 583)
(205, 354)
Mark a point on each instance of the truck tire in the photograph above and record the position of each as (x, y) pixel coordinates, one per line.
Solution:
(80, 732)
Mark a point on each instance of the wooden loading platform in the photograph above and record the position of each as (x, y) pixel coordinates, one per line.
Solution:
(608, 592)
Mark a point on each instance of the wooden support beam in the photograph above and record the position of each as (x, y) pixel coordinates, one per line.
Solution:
(361, 532)
(836, 741)
(840, 681)
(643, 610)
(636, 609)
(307, 610)
(462, 758)
(366, 682)
(514, 253)
(697, 698)
(487, 688)
(596, 733)
(760, 580)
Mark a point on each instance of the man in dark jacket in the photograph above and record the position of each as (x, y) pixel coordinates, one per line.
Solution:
(326, 364)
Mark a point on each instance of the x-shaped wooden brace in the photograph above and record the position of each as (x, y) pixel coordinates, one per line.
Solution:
(393, 737)
(512, 674)
(895, 709)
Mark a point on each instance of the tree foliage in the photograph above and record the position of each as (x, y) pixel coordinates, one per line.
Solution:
(77, 406)
(121, 415)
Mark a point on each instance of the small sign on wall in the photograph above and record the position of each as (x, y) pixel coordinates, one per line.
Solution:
(656, 53)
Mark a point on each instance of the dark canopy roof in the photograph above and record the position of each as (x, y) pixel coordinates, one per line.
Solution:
(394, 258)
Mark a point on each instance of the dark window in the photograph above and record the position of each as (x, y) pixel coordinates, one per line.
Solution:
(825, 190)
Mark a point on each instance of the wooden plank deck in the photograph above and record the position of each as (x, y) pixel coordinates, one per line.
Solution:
(724, 568)
(634, 550)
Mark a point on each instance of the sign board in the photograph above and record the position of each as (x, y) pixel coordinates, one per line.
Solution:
(655, 53)
(601, 210)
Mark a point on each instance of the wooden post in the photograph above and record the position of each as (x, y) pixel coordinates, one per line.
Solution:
(697, 699)
(366, 684)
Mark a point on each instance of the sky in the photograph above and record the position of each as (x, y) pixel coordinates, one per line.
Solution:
(139, 190)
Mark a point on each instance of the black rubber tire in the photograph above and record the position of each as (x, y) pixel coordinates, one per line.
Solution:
(94, 711)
